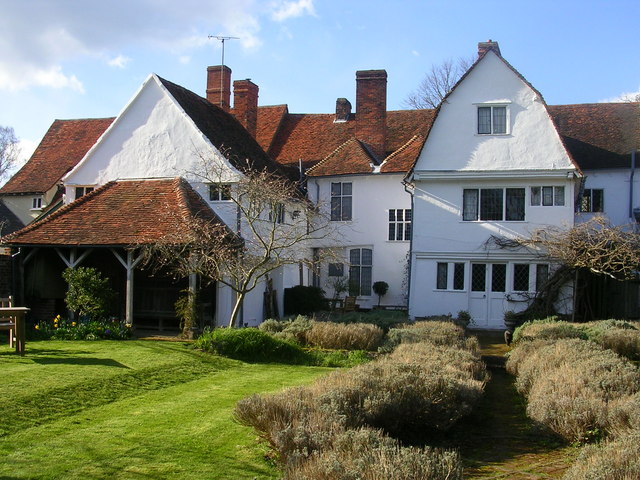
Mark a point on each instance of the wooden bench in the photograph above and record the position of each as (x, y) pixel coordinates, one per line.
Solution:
(350, 304)
(12, 319)
(8, 323)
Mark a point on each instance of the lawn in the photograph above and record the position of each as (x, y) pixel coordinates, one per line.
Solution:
(134, 409)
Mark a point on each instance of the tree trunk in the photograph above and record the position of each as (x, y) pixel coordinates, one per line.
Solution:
(236, 309)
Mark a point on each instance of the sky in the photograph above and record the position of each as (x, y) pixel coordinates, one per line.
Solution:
(64, 59)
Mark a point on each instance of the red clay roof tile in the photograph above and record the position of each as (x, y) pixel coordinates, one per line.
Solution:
(63, 146)
(119, 213)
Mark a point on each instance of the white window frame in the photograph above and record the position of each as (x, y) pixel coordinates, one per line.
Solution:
(400, 221)
(492, 116)
(36, 203)
(446, 271)
(557, 192)
(82, 190)
(478, 206)
(360, 267)
(219, 192)
(339, 202)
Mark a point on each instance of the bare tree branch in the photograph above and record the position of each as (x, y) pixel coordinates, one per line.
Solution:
(8, 150)
(437, 83)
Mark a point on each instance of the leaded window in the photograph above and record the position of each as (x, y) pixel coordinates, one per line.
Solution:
(399, 224)
(341, 201)
(521, 277)
(492, 120)
(360, 267)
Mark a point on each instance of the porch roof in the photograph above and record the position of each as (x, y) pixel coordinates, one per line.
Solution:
(122, 213)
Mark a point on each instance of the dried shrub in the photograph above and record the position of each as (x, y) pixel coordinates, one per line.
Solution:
(622, 341)
(367, 454)
(616, 460)
(569, 384)
(340, 336)
(435, 332)
(291, 422)
(624, 415)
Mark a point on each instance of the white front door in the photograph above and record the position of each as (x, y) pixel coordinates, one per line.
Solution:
(486, 294)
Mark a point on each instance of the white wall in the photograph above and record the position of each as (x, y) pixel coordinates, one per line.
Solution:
(615, 184)
(373, 196)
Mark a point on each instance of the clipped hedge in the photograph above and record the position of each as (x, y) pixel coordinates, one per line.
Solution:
(249, 344)
(341, 336)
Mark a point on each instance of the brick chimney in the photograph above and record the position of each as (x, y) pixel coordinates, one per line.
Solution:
(219, 86)
(371, 110)
(245, 104)
(343, 110)
(484, 47)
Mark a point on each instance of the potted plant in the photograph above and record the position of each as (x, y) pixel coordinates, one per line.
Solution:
(464, 318)
(380, 289)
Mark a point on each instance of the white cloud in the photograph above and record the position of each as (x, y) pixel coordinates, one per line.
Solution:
(292, 9)
(624, 97)
(42, 41)
(415, 53)
(119, 62)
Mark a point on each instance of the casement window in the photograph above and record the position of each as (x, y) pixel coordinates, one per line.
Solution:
(492, 120)
(442, 276)
(341, 201)
(542, 275)
(521, 277)
(547, 196)
(277, 214)
(36, 203)
(399, 224)
(219, 192)
(592, 200)
(336, 270)
(495, 204)
(360, 265)
(82, 191)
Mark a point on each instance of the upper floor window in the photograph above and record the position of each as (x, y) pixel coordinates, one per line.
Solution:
(399, 224)
(341, 201)
(81, 191)
(492, 120)
(219, 192)
(36, 203)
(547, 196)
(493, 204)
(277, 213)
(592, 200)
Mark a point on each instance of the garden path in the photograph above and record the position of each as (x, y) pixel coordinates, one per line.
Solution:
(499, 440)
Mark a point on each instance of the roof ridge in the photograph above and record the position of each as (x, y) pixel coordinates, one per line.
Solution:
(336, 150)
(402, 148)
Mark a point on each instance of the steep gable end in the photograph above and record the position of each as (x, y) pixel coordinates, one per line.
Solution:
(493, 120)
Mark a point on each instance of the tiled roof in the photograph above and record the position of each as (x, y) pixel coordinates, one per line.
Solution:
(62, 147)
(403, 158)
(599, 135)
(269, 120)
(352, 157)
(223, 131)
(120, 213)
(315, 137)
(8, 221)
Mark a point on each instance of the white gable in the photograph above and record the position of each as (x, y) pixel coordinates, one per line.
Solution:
(530, 143)
(152, 138)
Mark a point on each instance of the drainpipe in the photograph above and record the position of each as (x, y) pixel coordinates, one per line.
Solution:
(631, 175)
(410, 189)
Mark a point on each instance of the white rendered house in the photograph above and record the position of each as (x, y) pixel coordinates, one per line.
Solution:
(492, 166)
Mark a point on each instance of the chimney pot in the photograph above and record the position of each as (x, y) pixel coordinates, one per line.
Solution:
(219, 86)
(484, 47)
(343, 110)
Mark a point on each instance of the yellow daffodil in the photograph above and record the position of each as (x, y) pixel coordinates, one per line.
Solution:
(73, 324)
(37, 327)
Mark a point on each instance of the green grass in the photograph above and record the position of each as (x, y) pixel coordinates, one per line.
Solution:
(136, 409)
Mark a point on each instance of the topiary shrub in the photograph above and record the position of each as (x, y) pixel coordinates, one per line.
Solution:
(249, 344)
(304, 300)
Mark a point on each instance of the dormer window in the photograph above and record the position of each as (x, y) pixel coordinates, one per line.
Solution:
(82, 191)
(36, 203)
(492, 120)
(219, 192)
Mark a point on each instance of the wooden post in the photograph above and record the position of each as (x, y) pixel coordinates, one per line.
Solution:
(129, 264)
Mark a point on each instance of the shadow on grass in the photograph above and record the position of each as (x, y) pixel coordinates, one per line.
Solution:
(107, 362)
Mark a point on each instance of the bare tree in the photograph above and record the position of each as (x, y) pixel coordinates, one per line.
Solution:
(276, 227)
(8, 150)
(437, 83)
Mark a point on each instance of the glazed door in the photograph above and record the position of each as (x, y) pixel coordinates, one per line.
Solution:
(486, 293)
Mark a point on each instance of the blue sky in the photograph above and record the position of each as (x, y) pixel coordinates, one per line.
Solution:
(86, 58)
